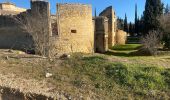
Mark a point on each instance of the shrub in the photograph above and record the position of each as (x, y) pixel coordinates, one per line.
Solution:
(151, 42)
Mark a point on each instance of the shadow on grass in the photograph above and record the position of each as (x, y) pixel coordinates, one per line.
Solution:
(168, 58)
(123, 54)
(126, 54)
(127, 47)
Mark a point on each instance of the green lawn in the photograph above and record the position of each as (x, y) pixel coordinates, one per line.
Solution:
(126, 47)
(127, 50)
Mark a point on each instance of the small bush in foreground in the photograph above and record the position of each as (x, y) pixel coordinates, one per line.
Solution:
(151, 42)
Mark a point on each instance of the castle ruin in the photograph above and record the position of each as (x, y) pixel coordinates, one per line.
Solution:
(72, 29)
(8, 8)
(75, 28)
(112, 25)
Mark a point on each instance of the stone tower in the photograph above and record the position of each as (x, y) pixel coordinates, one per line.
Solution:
(110, 14)
(41, 10)
(75, 28)
(101, 34)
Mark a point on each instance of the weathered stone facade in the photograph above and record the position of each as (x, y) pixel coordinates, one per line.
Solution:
(12, 34)
(121, 37)
(10, 9)
(110, 14)
(101, 34)
(40, 10)
(75, 28)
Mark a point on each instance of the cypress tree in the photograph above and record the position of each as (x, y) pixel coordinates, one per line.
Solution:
(141, 24)
(125, 24)
(136, 20)
(95, 13)
(131, 29)
(167, 9)
(120, 23)
(153, 10)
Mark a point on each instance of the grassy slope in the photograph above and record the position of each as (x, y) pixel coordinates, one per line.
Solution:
(112, 80)
(99, 76)
(129, 77)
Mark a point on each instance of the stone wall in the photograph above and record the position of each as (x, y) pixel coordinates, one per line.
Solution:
(10, 9)
(40, 10)
(12, 36)
(101, 34)
(121, 37)
(75, 29)
(110, 14)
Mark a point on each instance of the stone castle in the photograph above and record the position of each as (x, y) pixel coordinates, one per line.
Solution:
(72, 29)
(8, 8)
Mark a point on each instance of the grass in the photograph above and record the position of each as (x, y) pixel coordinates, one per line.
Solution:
(126, 47)
(118, 79)
(132, 50)
(97, 77)
(127, 50)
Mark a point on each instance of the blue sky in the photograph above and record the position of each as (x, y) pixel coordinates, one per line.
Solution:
(120, 6)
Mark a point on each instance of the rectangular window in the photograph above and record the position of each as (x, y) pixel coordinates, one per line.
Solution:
(73, 31)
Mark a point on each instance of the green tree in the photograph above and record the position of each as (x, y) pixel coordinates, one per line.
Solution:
(125, 24)
(120, 23)
(136, 20)
(141, 24)
(131, 31)
(153, 10)
(167, 9)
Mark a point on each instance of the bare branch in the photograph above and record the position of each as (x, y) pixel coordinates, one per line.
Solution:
(36, 25)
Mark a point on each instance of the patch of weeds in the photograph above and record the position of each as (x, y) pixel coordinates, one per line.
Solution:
(166, 74)
(118, 72)
(137, 77)
(94, 59)
(97, 85)
(78, 82)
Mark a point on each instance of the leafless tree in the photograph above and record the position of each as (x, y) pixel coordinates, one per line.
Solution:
(165, 24)
(36, 24)
(151, 42)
